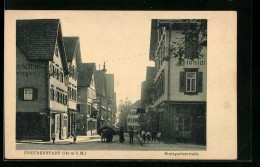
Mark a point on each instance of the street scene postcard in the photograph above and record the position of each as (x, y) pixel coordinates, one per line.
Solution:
(120, 85)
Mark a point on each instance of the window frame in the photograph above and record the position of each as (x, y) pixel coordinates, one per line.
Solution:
(190, 84)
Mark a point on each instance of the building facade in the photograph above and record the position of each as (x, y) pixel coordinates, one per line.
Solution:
(111, 98)
(72, 47)
(41, 80)
(180, 85)
(87, 117)
(133, 117)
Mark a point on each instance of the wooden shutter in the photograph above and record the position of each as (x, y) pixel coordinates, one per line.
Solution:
(182, 81)
(199, 81)
(21, 93)
(35, 94)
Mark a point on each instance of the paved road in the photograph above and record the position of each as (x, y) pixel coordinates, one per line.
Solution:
(94, 143)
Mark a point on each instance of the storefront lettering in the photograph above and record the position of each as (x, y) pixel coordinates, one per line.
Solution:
(28, 69)
(195, 62)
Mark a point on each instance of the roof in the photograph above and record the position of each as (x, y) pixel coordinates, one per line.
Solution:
(85, 75)
(136, 104)
(37, 39)
(70, 46)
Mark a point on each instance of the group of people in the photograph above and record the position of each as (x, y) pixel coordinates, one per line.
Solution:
(148, 137)
(122, 137)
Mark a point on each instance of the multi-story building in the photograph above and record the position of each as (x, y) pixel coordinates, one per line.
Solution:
(101, 92)
(111, 98)
(72, 47)
(41, 90)
(87, 117)
(178, 48)
(148, 119)
(133, 117)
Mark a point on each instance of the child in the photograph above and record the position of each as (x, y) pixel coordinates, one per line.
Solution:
(158, 136)
(53, 137)
(74, 137)
(148, 136)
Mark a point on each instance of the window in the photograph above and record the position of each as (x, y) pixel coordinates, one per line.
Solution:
(58, 74)
(57, 96)
(57, 51)
(27, 94)
(61, 77)
(190, 82)
(52, 95)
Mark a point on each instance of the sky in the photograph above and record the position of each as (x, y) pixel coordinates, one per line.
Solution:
(121, 39)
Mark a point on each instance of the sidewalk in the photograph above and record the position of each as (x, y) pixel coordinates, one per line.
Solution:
(69, 140)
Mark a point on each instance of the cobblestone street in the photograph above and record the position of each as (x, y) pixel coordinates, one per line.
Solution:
(94, 143)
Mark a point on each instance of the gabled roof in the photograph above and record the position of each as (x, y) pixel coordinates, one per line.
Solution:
(85, 75)
(70, 46)
(37, 39)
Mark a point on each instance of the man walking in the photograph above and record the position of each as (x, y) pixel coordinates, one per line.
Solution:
(131, 135)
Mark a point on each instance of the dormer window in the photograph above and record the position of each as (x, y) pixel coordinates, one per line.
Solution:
(57, 51)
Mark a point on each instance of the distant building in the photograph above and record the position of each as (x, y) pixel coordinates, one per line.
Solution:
(147, 119)
(72, 48)
(111, 98)
(41, 80)
(87, 118)
(133, 117)
(101, 92)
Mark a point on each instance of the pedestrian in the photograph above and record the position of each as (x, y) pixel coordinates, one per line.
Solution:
(158, 136)
(153, 136)
(121, 135)
(143, 136)
(74, 137)
(53, 137)
(131, 135)
(148, 136)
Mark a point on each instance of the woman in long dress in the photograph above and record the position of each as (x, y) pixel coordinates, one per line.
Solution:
(121, 135)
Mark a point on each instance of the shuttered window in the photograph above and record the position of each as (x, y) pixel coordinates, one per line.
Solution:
(27, 94)
(191, 82)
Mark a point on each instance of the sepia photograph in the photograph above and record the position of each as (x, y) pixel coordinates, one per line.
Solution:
(110, 81)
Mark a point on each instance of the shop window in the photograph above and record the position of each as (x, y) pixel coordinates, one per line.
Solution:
(27, 94)
(184, 123)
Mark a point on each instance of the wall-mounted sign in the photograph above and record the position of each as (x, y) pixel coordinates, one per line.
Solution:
(195, 62)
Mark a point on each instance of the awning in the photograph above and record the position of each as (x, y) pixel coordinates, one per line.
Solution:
(72, 110)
